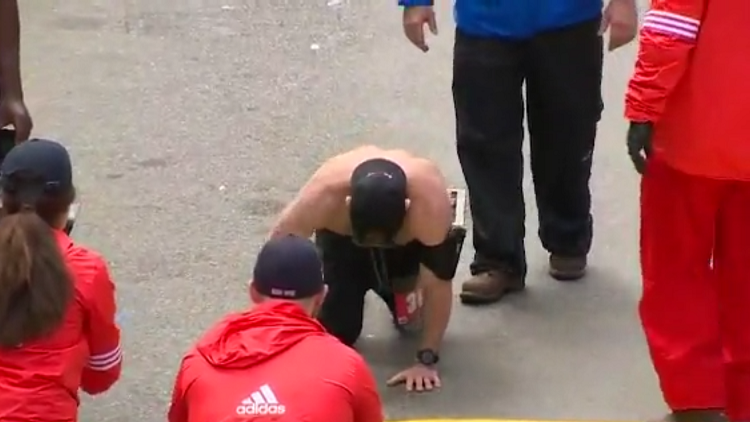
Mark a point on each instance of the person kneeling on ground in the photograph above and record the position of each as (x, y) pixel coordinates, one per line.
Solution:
(57, 300)
(275, 361)
(383, 221)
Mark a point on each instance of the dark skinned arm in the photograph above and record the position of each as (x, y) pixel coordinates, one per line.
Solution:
(10, 63)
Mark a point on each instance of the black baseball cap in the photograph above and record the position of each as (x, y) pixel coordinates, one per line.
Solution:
(36, 167)
(378, 198)
(288, 267)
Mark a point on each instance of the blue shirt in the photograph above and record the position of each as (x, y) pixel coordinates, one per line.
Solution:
(517, 19)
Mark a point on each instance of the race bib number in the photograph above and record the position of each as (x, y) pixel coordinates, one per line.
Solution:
(408, 306)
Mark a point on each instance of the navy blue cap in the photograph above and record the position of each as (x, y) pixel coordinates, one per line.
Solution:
(288, 267)
(378, 198)
(37, 166)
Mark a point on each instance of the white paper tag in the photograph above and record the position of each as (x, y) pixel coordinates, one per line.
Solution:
(458, 201)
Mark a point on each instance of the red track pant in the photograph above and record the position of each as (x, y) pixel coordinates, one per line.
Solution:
(695, 308)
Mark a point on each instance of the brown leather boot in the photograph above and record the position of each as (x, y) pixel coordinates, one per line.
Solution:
(489, 287)
(694, 416)
(567, 268)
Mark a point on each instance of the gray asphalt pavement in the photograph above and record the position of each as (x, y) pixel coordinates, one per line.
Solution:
(191, 122)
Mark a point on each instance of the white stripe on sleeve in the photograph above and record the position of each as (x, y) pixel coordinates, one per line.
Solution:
(671, 24)
(105, 361)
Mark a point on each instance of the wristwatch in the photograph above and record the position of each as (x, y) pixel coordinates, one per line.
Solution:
(427, 357)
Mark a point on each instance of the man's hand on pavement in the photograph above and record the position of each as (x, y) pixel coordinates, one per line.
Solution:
(417, 378)
(415, 19)
(639, 144)
(620, 17)
(13, 112)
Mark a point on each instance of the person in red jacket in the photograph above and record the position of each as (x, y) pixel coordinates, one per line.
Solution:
(689, 107)
(275, 362)
(57, 301)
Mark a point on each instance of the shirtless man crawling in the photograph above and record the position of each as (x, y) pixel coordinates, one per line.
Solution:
(383, 221)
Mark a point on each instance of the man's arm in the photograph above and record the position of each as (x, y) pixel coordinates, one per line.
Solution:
(307, 212)
(438, 263)
(668, 35)
(438, 302)
(10, 46)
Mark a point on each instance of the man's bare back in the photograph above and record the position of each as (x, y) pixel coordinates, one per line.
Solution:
(322, 202)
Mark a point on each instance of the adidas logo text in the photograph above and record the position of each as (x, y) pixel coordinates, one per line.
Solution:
(261, 402)
(261, 409)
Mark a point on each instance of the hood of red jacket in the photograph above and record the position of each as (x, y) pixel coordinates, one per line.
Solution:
(252, 337)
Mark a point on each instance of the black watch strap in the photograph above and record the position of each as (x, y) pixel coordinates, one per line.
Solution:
(427, 357)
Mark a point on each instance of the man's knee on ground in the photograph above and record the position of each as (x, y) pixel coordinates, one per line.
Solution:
(347, 330)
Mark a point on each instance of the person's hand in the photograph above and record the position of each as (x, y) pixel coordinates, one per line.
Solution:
(639, 144)
(13, 112)
(415, 19)
(621, 18)
(417, 378)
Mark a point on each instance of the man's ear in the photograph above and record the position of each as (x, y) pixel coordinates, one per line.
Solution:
(324, 293)
(318, 300)
(255, 295)
(320, 297)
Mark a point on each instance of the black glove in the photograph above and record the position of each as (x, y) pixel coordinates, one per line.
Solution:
(639, 144)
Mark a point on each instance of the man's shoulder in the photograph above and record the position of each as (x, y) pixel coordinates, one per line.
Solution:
(425, 165)
(329, 178)
(427, 184)
(431, 203)
(425, 176)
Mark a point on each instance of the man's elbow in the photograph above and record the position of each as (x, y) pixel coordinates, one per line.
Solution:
(428, 279)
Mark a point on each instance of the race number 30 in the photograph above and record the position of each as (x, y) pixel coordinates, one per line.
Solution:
(407, 305)
(413, 302)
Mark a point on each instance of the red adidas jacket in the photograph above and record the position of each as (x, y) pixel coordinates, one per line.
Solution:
(273, 363)
(691, 80)
(39, 381)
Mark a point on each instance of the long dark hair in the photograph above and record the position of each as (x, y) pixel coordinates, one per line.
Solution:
(36, 286)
